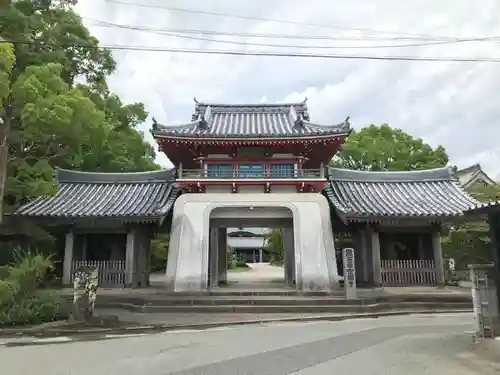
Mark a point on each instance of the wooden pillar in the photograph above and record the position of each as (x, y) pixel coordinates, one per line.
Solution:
(438, 257)
(494, 228)
(361, 256)
(376, 263)
(69, 245)
(130, 260)
(421, 247)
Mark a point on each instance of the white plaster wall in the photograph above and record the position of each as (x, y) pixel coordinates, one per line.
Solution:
(251, 189)
(187, 268)
(225, 189)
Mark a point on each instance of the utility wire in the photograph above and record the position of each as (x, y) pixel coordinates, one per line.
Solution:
(277, 36)
(240, 43)
(228, 15)
(261, 54)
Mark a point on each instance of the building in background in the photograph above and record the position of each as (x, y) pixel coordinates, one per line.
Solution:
(249, 244)
(473, 175)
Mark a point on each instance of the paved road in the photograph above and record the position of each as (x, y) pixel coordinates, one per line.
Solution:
(389, 346)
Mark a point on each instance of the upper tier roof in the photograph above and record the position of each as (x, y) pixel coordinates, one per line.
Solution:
(432, 194)
(250, 121)
(139, 197)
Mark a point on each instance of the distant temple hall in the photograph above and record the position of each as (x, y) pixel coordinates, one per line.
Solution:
(254, 166)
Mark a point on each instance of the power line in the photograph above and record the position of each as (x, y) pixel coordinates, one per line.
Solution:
(253, 18)
(268, 36)
(263, 54)
(241, 43)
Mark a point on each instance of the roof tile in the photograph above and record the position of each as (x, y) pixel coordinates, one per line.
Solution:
(367, 196)
(256, 120)
(144, 195)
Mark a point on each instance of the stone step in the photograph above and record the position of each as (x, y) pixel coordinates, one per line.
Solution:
(228, 299)
(293, 308)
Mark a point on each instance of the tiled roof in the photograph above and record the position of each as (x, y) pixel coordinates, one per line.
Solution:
(483, 208)
(473, 174)
(250, 121)
(371, 196)
(143, 196)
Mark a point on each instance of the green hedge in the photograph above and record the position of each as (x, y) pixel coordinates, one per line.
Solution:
(21, 300)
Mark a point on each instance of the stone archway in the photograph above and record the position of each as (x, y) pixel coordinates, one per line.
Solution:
(224, 217)
(314, 252)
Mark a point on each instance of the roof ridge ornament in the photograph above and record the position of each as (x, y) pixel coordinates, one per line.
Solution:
(205, 118)
(346, 124)
(155, 126)
(295, 117)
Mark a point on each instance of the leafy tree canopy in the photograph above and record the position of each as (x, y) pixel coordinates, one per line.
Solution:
(382, 148)
(56, 106)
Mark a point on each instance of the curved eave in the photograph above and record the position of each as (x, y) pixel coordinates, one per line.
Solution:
(353, 217)
(163, 130)
(240, 138)
(342, 128)
(483, 209)
(123, 220)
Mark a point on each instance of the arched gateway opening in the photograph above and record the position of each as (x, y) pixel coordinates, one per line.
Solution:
(195, 260)
(225, 250)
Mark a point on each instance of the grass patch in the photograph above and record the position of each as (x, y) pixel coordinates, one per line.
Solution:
(240, 269)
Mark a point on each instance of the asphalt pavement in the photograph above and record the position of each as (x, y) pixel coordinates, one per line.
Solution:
(430, 344)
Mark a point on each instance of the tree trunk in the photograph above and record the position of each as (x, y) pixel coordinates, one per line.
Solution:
(4, 157)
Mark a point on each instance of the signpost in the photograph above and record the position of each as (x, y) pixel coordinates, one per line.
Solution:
(349, 273)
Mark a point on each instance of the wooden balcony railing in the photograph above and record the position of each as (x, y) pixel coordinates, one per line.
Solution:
(193, 174)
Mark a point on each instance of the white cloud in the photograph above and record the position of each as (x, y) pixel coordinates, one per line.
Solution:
(454, 104)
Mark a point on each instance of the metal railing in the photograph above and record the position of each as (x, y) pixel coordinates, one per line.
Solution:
(235, 174)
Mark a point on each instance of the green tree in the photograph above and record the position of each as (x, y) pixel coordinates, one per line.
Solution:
(6, 65)
(485, 193)
(274, 244)
(382, 148)
(58, 108)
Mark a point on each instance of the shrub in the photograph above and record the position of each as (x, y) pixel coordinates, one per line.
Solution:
(43, 306)
(231, 258)
(20, 300)
(159, 252)
(242, 264)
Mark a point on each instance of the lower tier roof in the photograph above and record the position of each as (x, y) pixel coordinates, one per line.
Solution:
(357, 196)
(433, 195)
(135, 197)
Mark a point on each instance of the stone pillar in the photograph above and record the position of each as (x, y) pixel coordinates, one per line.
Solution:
(438, 257)
(222, 267)
(68, 258)
(213, 259)
(376, 264)
(261, 259)
(130, 260)
(289, 256)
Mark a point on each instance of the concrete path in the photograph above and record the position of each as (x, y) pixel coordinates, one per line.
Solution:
(390, 346)
(260, 273)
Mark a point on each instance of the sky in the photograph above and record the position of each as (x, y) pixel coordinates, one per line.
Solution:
(454, 104)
